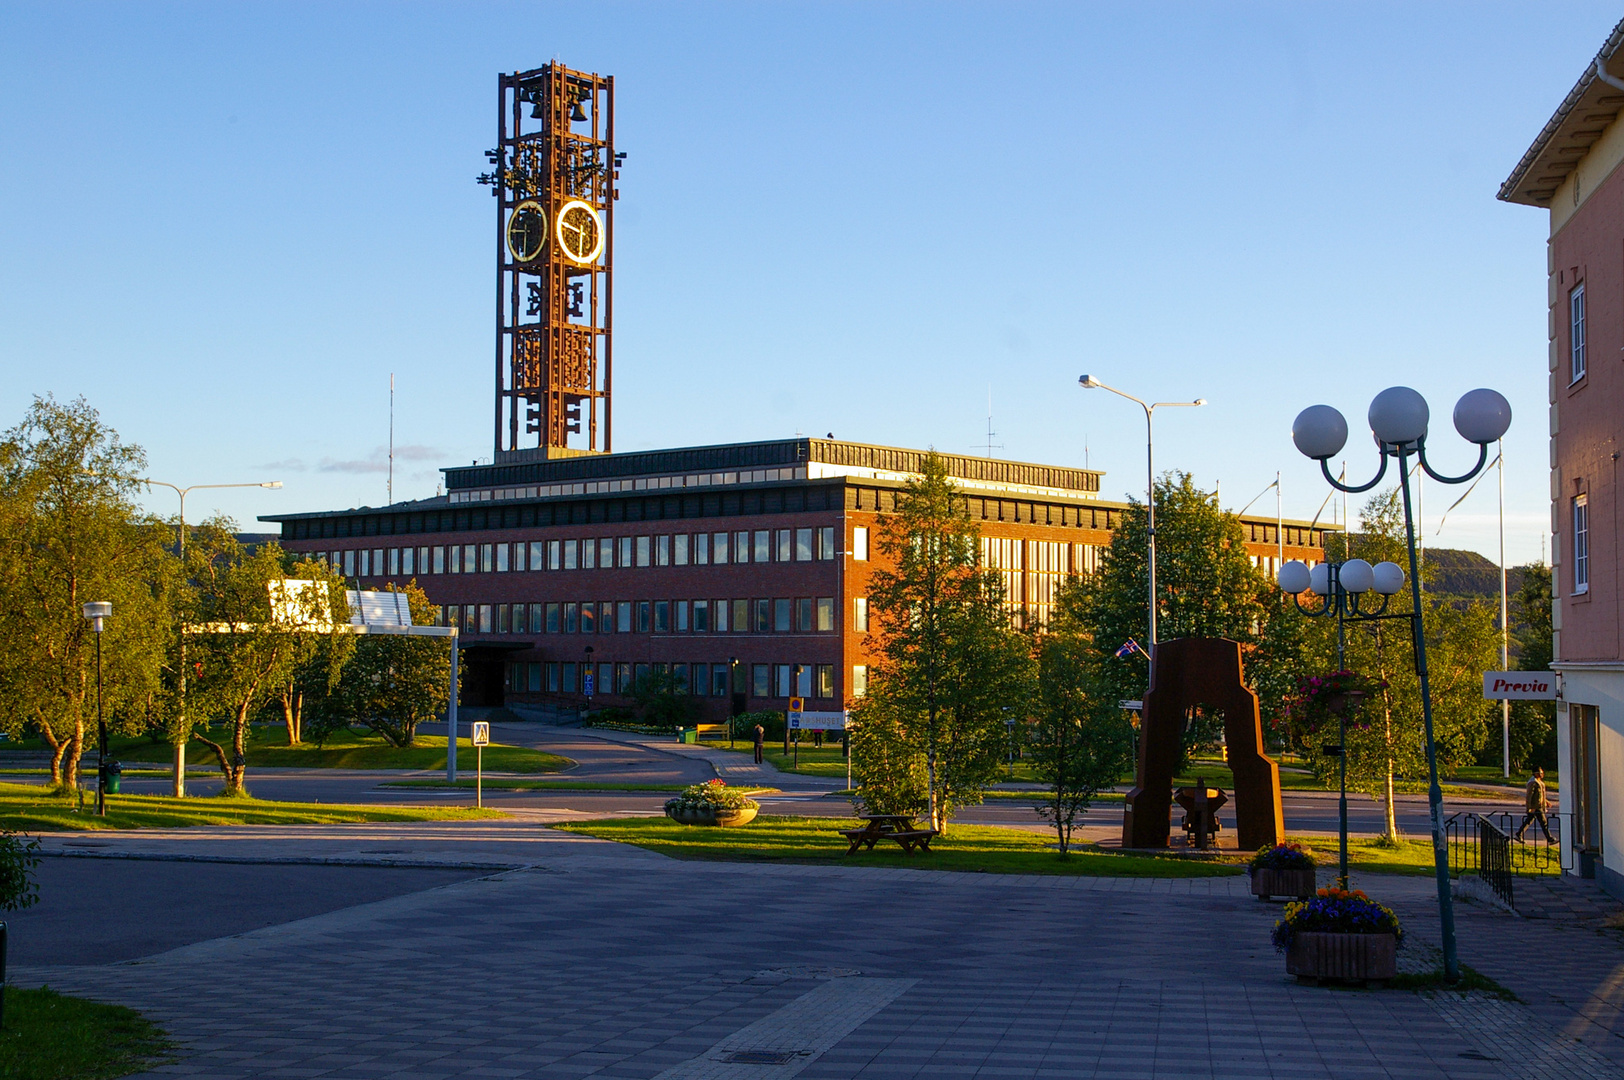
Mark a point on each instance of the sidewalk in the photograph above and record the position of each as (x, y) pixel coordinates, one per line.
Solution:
(735, 767)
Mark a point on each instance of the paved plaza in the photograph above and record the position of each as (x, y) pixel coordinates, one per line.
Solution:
(546, 954)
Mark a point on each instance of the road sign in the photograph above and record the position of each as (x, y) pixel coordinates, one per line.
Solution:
(587, 682)
(1519, 685)
(481, 733)
(797, 704)
(817, 721)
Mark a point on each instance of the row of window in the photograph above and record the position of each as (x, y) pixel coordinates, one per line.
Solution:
(762, 615)
(598, 553)
(702, 680)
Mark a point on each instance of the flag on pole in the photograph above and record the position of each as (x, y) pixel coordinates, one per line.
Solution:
(1129, 647)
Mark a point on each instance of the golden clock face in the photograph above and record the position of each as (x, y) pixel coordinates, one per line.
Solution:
(527, 232)
(580, 232)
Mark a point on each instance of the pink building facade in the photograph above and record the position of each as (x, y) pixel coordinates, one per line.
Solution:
(1572, 170)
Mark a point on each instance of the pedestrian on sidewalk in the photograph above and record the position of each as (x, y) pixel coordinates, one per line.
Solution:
(761, 742)
(1536, 804)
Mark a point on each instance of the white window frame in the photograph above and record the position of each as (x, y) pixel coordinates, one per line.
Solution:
(1576, 333)
(1581, 544)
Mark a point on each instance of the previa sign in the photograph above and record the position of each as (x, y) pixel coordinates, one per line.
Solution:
(1519, 685)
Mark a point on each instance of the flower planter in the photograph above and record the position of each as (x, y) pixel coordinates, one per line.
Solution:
(699, 815)
(1298, 884)
(1344, 957)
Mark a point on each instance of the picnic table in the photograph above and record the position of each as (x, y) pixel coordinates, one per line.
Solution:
(897, 827)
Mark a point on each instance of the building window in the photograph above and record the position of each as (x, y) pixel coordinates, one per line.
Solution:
(572, 618)
(484, 618)
(535, 678)
(625, 543)
(701, 616)
(826, 542)
(826, 680)
(859, 544)
(719, 686)
(537, 555)
(702, 549)
(826, 614)
(486, 562)
(518, 557)
(552, 618)
(784, 541)
(761, 680)
(642, 616)
(623, 678)
(571, 555)
(764, 617)
(589, 554)
(569, 678)
(394, 562)
(643, 550)
(803, 545)
(552, 678)
(1576, 332)
(537, 626)
(781, 680)
(377, 562)
(606, 554)
(623, 616)
(719, 549)
(501, 558)
(762, 549)
(640, 674)
(679, 553)
(682, 616)
(502, 624)
(859, 614)
(803, 614)
(589, 618)
(662, 551)
(349, 564)
(741, 547)
(859, 680)
(803, 680)
(363, 563)
(1581, 544)
(606, 623)
(662, 616)
(741, 616)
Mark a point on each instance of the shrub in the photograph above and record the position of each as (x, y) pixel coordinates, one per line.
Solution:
(772, 724)
(1336, 911)
(1283, 857)
(18, 858)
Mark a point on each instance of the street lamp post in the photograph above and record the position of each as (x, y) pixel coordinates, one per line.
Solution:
(97, 612)
(1089, 382)
(1342, 585)
(178, 788)
(1398, 419)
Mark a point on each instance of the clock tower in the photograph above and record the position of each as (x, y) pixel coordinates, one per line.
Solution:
(553, 174)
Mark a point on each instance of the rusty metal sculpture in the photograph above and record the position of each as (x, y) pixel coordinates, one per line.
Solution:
(1206, 672)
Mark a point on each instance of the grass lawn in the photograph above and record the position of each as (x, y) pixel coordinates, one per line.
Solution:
(1490, 774)
(49, 1036)
(30, 808)
(1368, 854)
(347, 749)
(510, 783)
(985, 848)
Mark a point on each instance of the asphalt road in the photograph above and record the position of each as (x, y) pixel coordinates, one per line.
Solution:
(612, 763)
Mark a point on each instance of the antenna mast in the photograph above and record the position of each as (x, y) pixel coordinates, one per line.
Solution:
(390, 484)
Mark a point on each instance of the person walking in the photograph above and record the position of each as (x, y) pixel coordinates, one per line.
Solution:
(761, 743)
(1536, 806)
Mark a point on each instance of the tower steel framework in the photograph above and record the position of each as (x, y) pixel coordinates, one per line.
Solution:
(553, 174)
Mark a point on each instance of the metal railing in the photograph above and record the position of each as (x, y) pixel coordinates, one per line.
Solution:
(1505, 844)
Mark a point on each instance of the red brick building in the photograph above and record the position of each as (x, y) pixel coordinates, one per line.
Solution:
(744, 568)
(1572, 170)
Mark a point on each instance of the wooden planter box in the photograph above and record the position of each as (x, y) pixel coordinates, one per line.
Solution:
(1343, 957)
(1297, 884)
(727, 819)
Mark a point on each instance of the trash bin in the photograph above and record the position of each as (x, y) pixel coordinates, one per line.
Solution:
(111, 775)
(689, 735)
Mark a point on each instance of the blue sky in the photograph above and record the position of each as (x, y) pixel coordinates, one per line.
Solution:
(226, 225)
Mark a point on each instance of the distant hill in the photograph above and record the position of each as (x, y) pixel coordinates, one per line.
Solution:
(1466, 573)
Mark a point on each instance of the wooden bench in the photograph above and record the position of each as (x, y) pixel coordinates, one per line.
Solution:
(897, 827)
(714, 732)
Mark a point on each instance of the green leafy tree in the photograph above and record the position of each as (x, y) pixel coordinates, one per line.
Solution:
(1386, 739)
(1207, 587)
(243, 650)
(19, 858)
(316, 661)
(1533, 723)
(950, 666)
(70, 533)
(663, 700)
(1080, 742)
(395, 682)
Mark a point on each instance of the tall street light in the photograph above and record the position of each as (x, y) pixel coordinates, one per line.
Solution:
(1089, 382)
(179, 784)
(1398, 419)
(97, 612)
